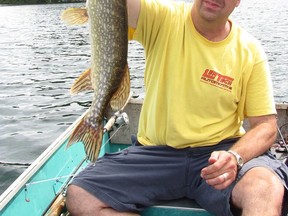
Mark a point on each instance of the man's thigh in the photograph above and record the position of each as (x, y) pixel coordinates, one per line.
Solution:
(136, 177)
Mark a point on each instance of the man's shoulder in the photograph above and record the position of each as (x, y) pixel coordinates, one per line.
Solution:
(246, 39)
(243, 34)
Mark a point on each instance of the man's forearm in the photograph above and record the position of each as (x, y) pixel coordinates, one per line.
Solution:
(258, 139)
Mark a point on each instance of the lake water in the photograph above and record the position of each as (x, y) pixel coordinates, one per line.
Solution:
(40, 57)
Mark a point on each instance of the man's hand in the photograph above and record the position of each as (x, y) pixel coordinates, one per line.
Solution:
(222, 168)
(221, 171)
(133, 7)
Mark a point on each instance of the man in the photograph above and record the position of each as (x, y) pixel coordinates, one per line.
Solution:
(204, 74)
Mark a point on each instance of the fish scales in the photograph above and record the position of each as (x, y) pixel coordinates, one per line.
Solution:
(108, 22)
(109, 46)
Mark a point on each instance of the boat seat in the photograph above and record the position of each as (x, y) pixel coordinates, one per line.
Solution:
(179, 207)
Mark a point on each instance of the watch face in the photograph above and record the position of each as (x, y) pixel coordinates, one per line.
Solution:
(240, 162)
(239, 159)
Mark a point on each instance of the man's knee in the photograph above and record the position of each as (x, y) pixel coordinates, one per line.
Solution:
(259, 185)
(81, 202)
(77, 199)
(72, 199)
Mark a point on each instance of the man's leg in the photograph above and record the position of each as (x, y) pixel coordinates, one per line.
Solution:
(128, 181)
(259, 192)
(80, 202)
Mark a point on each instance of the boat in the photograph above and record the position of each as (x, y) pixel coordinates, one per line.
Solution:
(40, 189)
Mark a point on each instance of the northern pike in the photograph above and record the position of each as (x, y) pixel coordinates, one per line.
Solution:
(108, 76)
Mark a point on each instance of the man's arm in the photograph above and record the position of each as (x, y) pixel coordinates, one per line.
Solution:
(133, 7)
(260, 137)
(222, 170)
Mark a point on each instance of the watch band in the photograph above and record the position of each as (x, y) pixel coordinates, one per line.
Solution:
(238, 158)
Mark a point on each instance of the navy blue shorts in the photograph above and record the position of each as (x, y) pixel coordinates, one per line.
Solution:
(142, 176)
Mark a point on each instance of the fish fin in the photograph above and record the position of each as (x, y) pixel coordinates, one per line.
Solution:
(75, 16)
(90, 137)
(82, 83)
(120, 97)
(130, 33)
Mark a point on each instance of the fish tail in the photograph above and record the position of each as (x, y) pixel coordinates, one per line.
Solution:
(91, 138)
(75, 16)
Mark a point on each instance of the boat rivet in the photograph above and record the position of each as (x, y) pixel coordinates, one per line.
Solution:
(26, 194)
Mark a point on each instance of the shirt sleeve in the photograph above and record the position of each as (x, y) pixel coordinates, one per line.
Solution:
(259, 92)
(256, 97)
(152, 14)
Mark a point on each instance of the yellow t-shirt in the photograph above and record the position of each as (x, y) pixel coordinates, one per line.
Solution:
(197, 91)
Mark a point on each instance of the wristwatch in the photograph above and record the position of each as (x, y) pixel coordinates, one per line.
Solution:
(238, 159)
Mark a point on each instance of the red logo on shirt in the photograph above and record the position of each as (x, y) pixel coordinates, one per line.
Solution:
(216, 79)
